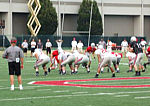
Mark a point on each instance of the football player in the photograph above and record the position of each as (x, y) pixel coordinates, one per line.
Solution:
(80, 59)
(64, 59)
(137, 49)
(41, 59)
(90, 50)
(131, 57)
(54, 60)
(105, 60)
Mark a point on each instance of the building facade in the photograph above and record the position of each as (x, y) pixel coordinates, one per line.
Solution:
(120, 17)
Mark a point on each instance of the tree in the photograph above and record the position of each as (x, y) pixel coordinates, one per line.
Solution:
(84, 18)
(47, 18)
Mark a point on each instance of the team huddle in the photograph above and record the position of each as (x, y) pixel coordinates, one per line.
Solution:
(105, 57)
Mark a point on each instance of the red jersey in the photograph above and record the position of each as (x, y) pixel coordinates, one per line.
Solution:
(90, 49)
(55, 53)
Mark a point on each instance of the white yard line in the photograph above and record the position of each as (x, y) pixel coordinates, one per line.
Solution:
(79, 92)
(144, 97)
(61, 91)
(121, 95)
(58, 96)
(43, 90)
(77, 95)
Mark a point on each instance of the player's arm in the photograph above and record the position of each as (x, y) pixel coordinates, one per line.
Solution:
(5, 55)
(21, 59)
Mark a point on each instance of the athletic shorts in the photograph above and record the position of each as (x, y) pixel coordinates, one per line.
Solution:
(105, 61)
(32, 50)
(25, 50)
(83, 60)
(42, 62)
(138, 59)
(48, 50)
(69, 60)
(14, 68)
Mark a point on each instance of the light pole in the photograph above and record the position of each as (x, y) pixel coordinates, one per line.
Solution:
(90, 23)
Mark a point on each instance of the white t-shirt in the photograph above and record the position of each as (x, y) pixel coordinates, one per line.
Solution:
(124, 43)
(74, 43)
(48, 44)
(33, 44)
(80, 45)
(25, 45)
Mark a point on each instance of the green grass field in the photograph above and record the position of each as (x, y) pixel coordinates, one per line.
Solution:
(38, 95)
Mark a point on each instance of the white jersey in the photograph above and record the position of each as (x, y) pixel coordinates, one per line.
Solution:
(74, 43)
(102, 52)
(48, 44)
(63, 55)
(79, 56)
(124, 44)
(80, 45)
(25, 45)
(33, 44)
(40, 54)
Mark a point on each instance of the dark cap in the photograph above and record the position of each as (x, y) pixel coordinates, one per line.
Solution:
(13, 40)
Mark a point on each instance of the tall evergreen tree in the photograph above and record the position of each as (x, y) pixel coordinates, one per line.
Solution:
(84, 18)
(47, 18)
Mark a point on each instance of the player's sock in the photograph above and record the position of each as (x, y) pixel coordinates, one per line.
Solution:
(72, 71)
(102, 70)
(63, 72)
(20, 87)
(118, 71)
(12, 88)
(88, 70)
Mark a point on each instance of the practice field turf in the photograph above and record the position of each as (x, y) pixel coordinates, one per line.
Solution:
(80, 89)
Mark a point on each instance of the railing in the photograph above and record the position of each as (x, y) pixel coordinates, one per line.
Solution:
(19, 1)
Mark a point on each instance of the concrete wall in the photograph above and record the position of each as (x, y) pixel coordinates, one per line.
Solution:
(121, 25)
(147, 26)
(19, 23)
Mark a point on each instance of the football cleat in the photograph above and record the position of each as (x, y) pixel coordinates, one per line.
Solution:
(49, 70)
(96, 76)
(144, 65)
(63, 73)
(12, 88)
(88, 71)
(113, 75)
(37, 73)
(45, 73)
